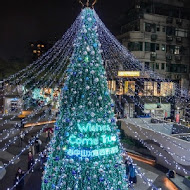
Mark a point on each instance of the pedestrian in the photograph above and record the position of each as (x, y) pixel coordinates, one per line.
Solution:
(21, 138)
(22, 123)
(38, 143)
(132, 175)
(48, 135)
(32, 148)
(19, 179)
(30, 161)
(43, 157)
(127, 168)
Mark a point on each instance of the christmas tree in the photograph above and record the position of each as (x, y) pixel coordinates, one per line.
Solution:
(85, 153)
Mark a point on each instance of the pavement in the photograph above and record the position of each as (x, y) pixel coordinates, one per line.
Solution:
(156, 173)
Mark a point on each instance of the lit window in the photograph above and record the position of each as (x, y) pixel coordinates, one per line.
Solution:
(32, 45)
(38, 51)
(163, 47)
(112, 86)
(38, 45)
(42, 46)
(148, 88)
(34, 51)
(167, 89)
(129, 88)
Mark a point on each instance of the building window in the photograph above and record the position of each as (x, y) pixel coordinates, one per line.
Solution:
(177, 50)
(163, 66)
(153, 66)
(163, 29)
(157, 47)
(119, 87)
(135, 46)
(158, 28)
(163, 47)
(34, 51)
(148, 88)
(112, 86)
(157, 66)
(150, 27)
(170, 31)
(150, 47)
(181, 32)
(147, 65)
(178, 68)
(167, 89)
(129, 88)
(167, 67)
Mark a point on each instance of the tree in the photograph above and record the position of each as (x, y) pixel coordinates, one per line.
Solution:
(85, 151)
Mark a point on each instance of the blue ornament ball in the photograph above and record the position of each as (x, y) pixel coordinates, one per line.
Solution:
(45, 181)
(67, 120)
(74, 172)
(79, 59)
(82, 96)
(87, 78)
(113, 120)
(101, 179)
(116, 165)
(57, 128)
(53, 185)
(95, 45)
(65, 88)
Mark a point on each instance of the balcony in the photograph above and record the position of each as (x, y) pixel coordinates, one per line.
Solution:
(169, 20)
(179, 21)
(168, 57)
(154, 37)
(178, 58)
(153, 56)
(169, 38)
(178, 39)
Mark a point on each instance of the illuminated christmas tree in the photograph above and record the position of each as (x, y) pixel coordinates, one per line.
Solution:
(85, 151)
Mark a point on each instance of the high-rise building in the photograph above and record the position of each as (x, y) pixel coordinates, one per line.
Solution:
(37, 49)
(157, 33)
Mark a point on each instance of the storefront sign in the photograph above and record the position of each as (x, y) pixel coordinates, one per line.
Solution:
(92, 153)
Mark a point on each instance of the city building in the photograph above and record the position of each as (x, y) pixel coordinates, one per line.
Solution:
(11, 102)
(38, 48)
(157, 33)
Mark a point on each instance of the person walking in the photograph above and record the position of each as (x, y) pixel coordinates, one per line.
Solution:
(32, 148)
(43, 157)
(30, 161)
(19, 179)
(38, 144)
(132, 175)
(21, 138)
(127, 163)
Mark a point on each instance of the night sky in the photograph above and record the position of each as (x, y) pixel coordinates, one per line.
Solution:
(25, 21)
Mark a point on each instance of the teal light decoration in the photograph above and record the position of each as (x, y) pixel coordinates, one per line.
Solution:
(87, 141)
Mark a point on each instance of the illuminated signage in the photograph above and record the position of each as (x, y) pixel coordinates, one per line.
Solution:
(128, 73)
(93, 127)
(92, 153)
(106, 139)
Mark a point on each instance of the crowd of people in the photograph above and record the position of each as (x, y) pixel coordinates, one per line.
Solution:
(35, 149)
